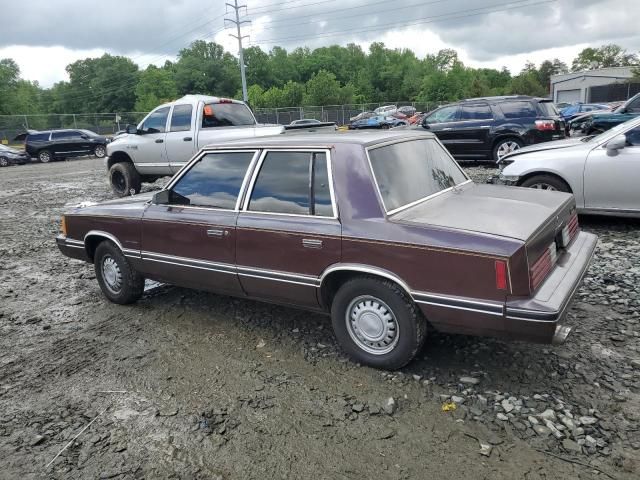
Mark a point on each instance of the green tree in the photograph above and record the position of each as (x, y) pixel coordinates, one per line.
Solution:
(205, 68)
(610, 55)
(155, 86)
(324, 89)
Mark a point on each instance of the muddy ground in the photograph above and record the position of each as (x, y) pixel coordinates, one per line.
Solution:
(191, 385)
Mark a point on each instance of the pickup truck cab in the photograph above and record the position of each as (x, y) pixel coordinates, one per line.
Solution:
(172, 133)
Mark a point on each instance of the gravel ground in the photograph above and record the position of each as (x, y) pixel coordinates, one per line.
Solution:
(186, 384)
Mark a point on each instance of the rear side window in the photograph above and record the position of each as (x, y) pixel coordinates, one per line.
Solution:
(60, 135)
(181, 118)
(226, 115)
(293, 183)
(548, 109)
(519, 109)
(215, 180)
(156, 122)
(38, 137)
(475, 112)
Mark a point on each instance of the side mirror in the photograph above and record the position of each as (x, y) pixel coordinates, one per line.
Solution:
(616, 143)
(425, 124)
(132, 129)
(162, 197)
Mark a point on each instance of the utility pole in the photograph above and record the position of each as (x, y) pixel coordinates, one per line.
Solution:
(239, 37)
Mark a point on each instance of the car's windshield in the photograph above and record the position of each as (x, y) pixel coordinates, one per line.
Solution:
(612, 132)
(412, 170)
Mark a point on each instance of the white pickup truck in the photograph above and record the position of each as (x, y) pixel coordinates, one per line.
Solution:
(172, 133)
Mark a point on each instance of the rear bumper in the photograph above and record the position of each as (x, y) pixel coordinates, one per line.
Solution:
(72, 248)
(539, 318)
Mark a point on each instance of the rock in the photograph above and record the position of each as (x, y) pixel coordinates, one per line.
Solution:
(261, 344)
(387, 433)
(556, 433)
(167, 412)
(37, 440)
(417, 378)
(532, 420)
(357, 407)
(390, 406)
(507, 405)
(590, 442)
(485, 449)
(541, 430)
(588, 420)
(548, 414)
(571, 446)
(374, 410)
(567, 422)
(501, 416)
(469, 380)
(458, 400)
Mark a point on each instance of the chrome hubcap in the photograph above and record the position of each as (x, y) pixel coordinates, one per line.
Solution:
(507, 147)
(543, 186)
(111, 274)
(99, 152)
(372, 325)
(44, 157)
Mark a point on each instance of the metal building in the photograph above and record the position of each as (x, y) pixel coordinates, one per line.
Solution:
(576, 87)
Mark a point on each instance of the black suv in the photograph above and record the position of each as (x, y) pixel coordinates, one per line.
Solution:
(59, 144)
(491, 127)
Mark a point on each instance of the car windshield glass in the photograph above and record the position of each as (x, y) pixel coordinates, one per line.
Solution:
(612, 132)
(548, 109)
(410, 171)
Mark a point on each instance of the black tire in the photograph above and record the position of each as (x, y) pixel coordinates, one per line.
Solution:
(123, 287)
(100, 151)
(45, 156)
(541, 180)
(410, 325)
(4, 162)
(500, 143)
(124, 179)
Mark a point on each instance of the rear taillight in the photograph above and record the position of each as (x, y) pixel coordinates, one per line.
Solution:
(225, 100)
(545, 125)
(569, 231)
(541, 268)
(501, 275)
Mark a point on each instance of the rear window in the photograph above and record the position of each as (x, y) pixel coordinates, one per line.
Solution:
(519, 109)
(410, 171)
(226, 115)
(38, 137)
(547, 109)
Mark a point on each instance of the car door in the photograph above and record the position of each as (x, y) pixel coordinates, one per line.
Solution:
(288, 231)
(78, 143)
(472, 131)
(443, 123)
(179, 140)
(148, 145)
(59, 143)
(611, 181)
(190, 238)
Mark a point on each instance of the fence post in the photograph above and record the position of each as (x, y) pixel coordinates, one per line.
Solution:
(322, 112)
(342, 115)
(75, 124)
(26, 122)
(277, 120)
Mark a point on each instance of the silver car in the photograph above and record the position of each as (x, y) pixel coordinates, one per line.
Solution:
(602, 171)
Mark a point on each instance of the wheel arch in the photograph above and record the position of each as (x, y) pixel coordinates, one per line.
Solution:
(505, 136)
(118, 157)
(336, 275)
(93, 238)
(548, 173)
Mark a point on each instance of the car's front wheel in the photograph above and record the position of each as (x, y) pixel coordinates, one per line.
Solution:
(100, 151)
(4, 162)
(506, 146)
(124, 179)
(546, 182)
(376, 322)
(119, 282)
(44, 156)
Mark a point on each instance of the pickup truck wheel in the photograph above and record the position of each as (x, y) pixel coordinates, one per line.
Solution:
(376, 323)
(124, 179)
(4, 162)
(44, 156)
(100, 151)
(118, 281)
(505, 146)
(546, 182)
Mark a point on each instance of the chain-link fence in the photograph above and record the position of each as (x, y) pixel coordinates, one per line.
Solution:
(102, 123)
(340, 114)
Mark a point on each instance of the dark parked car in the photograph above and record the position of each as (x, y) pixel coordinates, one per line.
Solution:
(599, 122)
(12, 156)
(59, 144)
(379, 121)
(383, 230)
(491, 127)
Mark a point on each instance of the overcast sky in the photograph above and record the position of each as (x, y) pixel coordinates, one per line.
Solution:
(43, 36)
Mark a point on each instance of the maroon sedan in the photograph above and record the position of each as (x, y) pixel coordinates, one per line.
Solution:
(383, 230)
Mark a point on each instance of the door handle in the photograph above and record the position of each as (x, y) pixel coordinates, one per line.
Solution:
(311, 243)
(448, 128)
(485, 126)
(159, 140)
(187, 139)
(217, 232)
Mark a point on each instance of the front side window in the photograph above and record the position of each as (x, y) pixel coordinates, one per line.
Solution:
(409, 171)
(293, 183)
(633, 137)
(524, 109)
(181, 118)
(226, 115)
(215, 180)
(634, 106)
(156, 122)
(476, 112)
(445, 114)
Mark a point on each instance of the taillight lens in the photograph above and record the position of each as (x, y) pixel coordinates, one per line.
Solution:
(569, 231)
(541, 268)
(501, 275)
(544, 125)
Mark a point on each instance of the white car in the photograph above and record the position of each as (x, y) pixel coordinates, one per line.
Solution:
(386, 110)
(602, 171)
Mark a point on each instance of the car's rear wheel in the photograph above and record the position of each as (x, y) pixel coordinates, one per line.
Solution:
(4, 162)
(376, 322)
(45, 156)
(124, 179)
(119, 282)
(506, 146)
(546, 182)
(100, 151)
